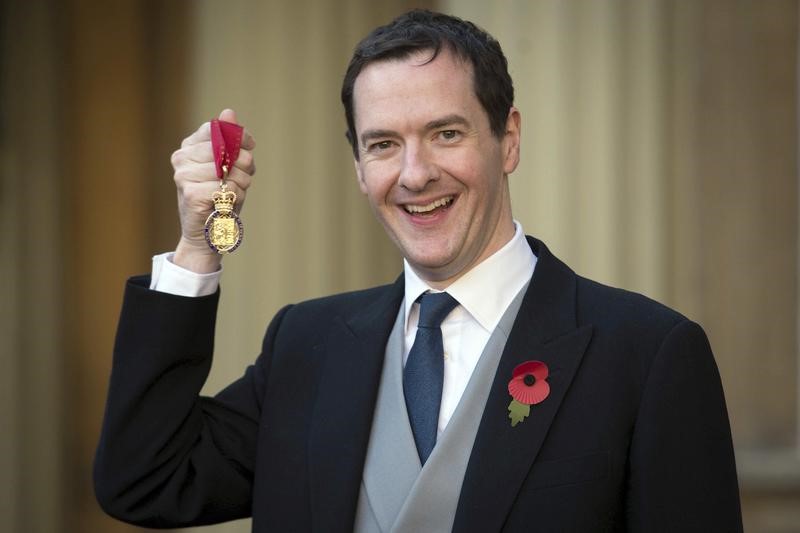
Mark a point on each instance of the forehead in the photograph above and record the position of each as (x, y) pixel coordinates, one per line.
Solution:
(414, 86)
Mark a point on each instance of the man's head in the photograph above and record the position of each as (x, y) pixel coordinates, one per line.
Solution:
(432, 162)
(420, 30)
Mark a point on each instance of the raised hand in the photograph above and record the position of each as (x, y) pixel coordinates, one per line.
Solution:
(196, 180)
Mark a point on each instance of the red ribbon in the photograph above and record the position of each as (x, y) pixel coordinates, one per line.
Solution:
(226, 139)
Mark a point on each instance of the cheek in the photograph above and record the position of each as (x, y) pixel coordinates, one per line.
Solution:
(376, 180)
(360, 177)
(362, 185)
(375, 195)
(470, 163)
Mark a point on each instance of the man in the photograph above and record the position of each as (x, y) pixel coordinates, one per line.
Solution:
(536, 400)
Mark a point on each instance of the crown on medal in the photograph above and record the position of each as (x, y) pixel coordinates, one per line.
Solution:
(224, 200)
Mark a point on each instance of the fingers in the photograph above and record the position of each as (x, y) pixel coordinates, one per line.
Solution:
(248, 142)
(192, 153)
(197, 194)
(207, 173)
(196, 178)
(194, 163)
(195, 173)
(196, 203)
(228, 115)
(201, 153)
(203, 133)
(245, 162)
(240, 179)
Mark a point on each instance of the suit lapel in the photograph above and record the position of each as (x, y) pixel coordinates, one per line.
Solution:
(545, 330)
(344, 409)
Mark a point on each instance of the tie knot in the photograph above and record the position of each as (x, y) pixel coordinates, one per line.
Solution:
(434, 307)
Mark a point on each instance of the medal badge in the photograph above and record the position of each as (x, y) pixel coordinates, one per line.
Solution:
(223, 228)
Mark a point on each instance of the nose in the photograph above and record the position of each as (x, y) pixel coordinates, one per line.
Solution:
(418, 169)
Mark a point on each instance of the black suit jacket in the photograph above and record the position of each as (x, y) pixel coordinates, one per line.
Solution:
(634, 435)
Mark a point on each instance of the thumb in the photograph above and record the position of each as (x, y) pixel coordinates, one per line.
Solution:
(228, 115)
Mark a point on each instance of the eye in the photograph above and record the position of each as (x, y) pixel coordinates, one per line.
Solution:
(449, 135)
(379, 146)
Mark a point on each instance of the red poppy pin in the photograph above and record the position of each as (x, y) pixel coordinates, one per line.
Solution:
(528, 386)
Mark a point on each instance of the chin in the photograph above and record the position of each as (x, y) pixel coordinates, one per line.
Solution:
(437, 268)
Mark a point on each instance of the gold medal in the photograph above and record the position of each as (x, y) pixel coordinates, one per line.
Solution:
(223, 229)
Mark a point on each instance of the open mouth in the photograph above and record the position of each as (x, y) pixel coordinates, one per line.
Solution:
(429, 209)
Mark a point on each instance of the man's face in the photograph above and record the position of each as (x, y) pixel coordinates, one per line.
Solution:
(434, 174)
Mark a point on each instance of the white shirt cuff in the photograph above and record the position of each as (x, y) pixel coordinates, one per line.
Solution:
(170, 278)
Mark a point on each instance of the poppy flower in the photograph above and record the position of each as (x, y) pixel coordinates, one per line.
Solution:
(528, 386)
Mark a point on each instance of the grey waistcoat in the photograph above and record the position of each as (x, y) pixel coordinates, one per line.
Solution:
(398, 495)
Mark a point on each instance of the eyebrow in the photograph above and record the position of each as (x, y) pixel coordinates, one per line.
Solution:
(376, 134)
(448, 120)
(443, 122)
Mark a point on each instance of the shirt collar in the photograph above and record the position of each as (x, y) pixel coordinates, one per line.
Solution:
(487, 290)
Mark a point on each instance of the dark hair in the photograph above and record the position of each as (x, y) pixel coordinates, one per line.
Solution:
(425, 30)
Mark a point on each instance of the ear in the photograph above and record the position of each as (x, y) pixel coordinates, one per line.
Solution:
(360, 177)
(511, 140)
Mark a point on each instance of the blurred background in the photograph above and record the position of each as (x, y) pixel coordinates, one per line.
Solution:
(660, 153)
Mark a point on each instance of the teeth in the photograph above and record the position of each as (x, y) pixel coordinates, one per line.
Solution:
(430, 207)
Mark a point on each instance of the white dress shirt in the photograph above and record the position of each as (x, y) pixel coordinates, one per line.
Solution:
(168, 277)
(484, 293)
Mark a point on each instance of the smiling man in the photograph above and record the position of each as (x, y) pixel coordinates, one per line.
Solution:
(435, 173)
(490, 388)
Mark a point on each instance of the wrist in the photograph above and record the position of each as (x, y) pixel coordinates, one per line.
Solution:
(196, 257)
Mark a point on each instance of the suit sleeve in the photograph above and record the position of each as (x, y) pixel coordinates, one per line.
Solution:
(682, 468)
(168, 457)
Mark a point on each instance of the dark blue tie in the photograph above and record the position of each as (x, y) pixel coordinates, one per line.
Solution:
(424, 372)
